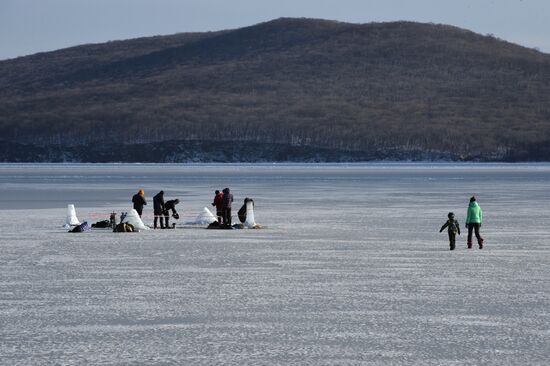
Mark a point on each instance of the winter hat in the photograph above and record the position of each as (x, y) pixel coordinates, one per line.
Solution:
(472, 199)
(451, 215)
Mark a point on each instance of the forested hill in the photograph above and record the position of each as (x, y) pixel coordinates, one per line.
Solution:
(288, 89)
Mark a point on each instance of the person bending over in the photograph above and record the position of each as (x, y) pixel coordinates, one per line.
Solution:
(170, 205)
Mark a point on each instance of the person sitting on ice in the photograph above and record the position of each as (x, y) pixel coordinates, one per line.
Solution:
(242, 211)
(170, 205)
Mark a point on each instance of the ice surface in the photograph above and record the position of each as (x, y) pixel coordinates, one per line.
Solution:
(350, 270)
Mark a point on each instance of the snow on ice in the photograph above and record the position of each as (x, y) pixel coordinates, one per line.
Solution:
(350, 270)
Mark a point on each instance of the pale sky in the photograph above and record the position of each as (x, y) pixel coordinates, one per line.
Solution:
(30, 26)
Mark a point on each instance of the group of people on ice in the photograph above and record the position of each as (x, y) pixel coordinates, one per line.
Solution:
(474, 218)
(161, 209)
(223, 202)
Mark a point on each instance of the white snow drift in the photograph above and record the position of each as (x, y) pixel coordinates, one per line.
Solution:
(71, 219)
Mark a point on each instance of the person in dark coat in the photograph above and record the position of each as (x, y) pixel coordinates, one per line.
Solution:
(242, 212)
(170, 205)
(158, 207)
(227, 200)
(218, 204)
(139, 201)
(453, 228)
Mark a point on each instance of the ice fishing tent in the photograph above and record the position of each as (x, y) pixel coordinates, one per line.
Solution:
(133, 219)
(71, 219)
(205, 218)
(249, 222)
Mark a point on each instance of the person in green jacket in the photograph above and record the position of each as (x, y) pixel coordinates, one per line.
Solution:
(474, 218)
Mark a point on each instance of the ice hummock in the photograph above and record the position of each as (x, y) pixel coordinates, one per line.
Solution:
(206, 217)
(250, 222)
(133, 218)
(71, 219)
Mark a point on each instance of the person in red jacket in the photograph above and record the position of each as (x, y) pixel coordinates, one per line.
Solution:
(218, 204)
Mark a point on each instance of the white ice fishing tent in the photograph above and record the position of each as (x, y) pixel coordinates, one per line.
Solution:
(250, 222)
(205, 218)
(133, 219)
(71, 219)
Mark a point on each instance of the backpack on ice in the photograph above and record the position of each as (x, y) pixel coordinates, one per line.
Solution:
(82, 228)
(124, 228)
(453, 226)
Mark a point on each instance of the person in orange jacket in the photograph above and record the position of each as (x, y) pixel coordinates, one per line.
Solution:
(139, 201)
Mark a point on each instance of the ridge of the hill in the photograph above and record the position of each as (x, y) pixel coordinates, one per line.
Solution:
(336, 91)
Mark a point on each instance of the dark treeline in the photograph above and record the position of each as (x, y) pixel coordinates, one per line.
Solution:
(327, 90)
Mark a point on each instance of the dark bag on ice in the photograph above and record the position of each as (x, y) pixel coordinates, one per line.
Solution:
(214, 225)
(102, 224)
(82, 228)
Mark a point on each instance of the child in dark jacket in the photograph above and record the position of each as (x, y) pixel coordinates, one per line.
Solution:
(453, 228)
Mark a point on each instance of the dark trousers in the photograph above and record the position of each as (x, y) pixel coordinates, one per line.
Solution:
(227, 216)
(474, 228)
(220, 216)
(452, 240)
(159, 215)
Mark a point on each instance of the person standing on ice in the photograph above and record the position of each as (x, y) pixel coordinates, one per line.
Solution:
(474, 218)
(218, 204)
(158, 208)
(452, 228)
(227, 200)
(139, 201)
